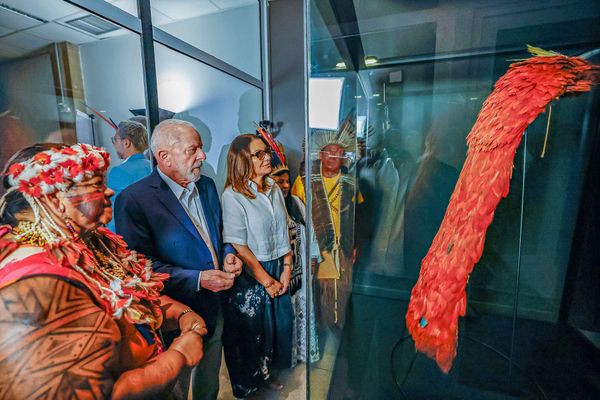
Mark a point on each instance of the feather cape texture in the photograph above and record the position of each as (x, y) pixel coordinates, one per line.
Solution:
(519, 96)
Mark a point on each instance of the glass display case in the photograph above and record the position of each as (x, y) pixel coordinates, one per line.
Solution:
(412, 78)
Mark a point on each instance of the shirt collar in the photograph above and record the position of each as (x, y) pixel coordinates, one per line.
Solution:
(270, 183)
(135, 156)
(178, 190)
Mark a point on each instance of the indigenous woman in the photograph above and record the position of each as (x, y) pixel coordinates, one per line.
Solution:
(259, 316)
(298, 282)
(79, 312)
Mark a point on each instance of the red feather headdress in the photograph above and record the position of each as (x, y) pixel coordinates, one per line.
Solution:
(266, 135)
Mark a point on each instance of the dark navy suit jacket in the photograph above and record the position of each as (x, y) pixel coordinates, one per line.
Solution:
(153, 222)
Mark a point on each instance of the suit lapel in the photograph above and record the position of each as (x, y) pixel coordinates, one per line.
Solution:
(168, 199)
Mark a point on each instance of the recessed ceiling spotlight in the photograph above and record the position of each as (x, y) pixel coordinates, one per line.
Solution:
(371, 60)
(340, 65)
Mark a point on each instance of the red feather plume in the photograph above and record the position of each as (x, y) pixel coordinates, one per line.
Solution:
(438, 298)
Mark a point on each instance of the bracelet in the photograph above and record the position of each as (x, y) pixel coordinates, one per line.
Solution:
(187, 310)
(287, 265)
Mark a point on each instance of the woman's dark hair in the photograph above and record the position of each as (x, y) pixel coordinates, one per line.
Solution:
(15, 202)
(293, 209)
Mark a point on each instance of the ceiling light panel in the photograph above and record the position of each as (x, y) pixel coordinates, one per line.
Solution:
(92, 24)
(58, 33)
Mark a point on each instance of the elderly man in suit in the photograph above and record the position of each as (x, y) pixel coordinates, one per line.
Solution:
(173, 217)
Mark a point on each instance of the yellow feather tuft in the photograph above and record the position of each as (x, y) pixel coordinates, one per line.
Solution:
(538, 52)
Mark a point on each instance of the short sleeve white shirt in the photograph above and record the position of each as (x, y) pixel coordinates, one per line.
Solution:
(259, 223)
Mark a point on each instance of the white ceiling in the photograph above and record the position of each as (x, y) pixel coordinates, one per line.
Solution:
(167, 11)
(41, 22)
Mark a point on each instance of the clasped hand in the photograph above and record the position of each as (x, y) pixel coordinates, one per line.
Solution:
(232, 264)
(189, 342)
(278, 288)
(216, 280)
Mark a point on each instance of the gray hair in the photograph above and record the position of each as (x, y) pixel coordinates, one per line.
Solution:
(135, 132)
(139, 118)
(164, 134)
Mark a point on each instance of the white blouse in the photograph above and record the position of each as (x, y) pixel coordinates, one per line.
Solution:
(259, 223)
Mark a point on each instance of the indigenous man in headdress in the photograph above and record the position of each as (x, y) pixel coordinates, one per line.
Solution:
(333, 194)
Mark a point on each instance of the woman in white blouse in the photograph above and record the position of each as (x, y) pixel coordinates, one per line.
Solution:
(259, 316)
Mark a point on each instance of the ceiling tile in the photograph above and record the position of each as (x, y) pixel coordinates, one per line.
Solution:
(160, 19)
(183, 9)
(15, 21)
(24, 40)
(58, 33)
(5, 31)
(129, 6)
(46, 9)
(234, 3)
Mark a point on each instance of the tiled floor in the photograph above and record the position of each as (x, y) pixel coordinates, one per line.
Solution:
(294, 379)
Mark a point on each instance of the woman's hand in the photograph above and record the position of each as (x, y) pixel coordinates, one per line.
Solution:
(273, 288)
(192, 321)
(189, 344)
(232, 264)
(284, 279)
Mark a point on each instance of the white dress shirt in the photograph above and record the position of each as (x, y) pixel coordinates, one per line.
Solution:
(189, 198)
(259, 223)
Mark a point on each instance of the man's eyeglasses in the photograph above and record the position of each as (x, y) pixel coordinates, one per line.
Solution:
(261, 154)
(114, 139)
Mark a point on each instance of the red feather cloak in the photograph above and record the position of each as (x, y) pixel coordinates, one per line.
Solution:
(519, 96)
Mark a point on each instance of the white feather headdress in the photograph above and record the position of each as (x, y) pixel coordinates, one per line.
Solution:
(345, 137)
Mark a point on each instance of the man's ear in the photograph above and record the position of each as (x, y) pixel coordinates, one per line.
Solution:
(127, 143)
(163, 155)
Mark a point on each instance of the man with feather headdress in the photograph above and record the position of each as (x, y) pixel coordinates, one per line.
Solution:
(333, 192)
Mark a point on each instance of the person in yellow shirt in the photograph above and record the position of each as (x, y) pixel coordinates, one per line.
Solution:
(334, 196)
(332, 155)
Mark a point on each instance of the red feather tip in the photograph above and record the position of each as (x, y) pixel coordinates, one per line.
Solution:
(266, 135)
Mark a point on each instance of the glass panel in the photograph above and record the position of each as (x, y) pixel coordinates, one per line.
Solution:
(66, 76)
(55, 72)
(226, 29)
(220, 106)
(416, 76)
